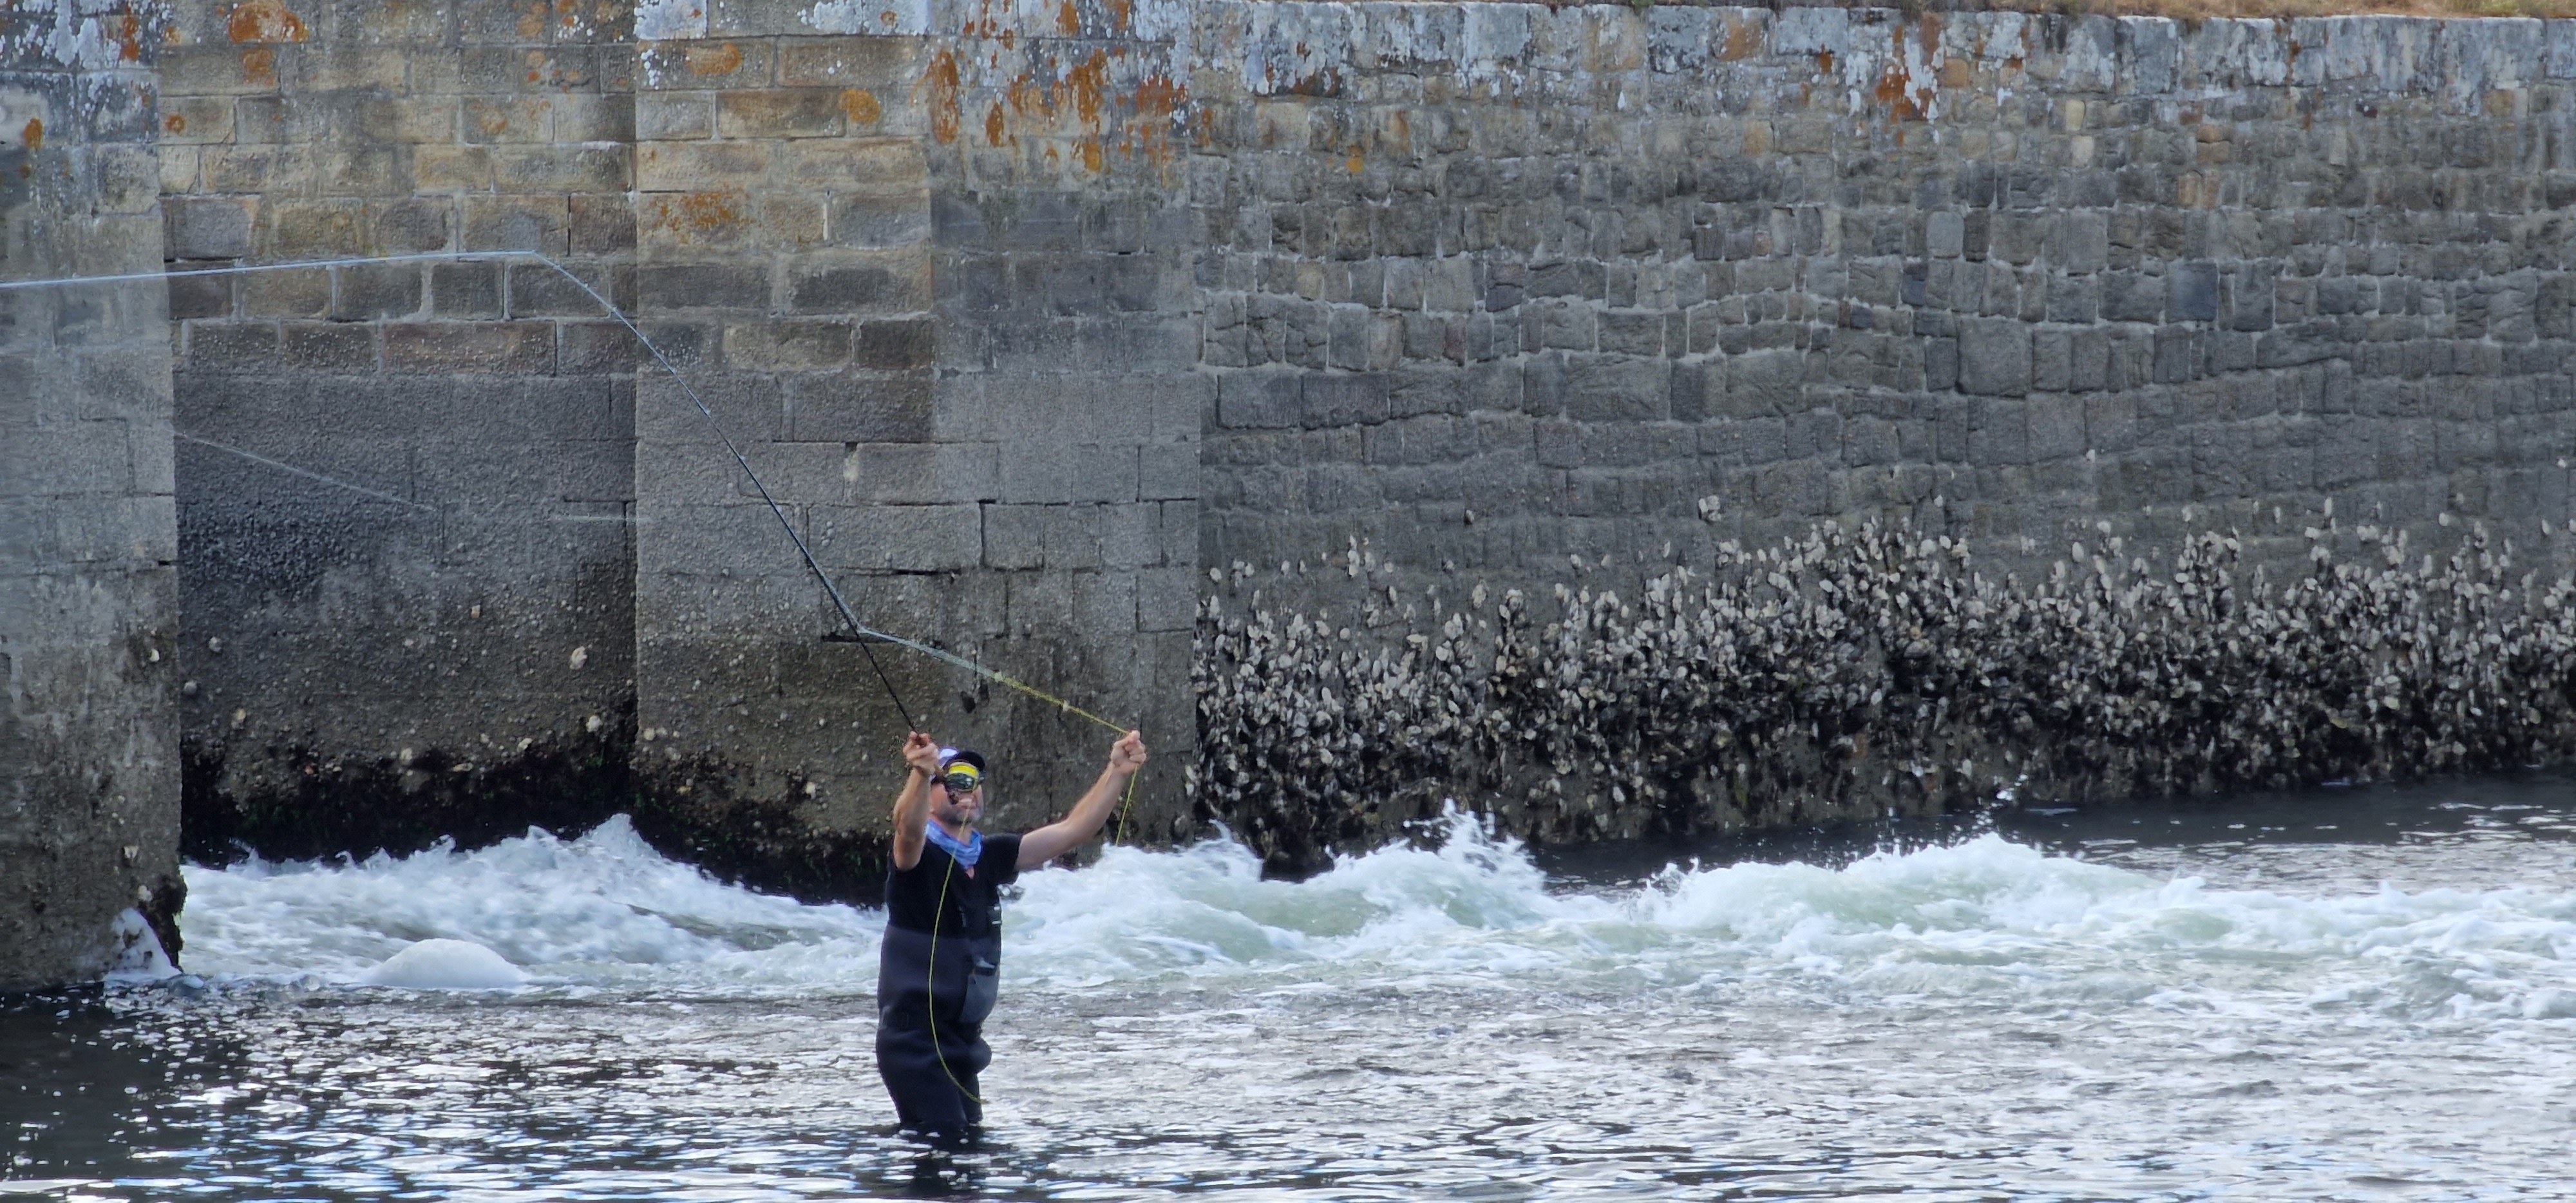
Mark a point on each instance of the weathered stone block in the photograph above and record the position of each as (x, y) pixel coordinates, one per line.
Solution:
(859, 408)
(601, 225)
(661, 287)
(208, 228)
(518, 223)
(465, 290)
(451, 348)
(1258, 400)
(1609, 388)
(2191, 292)
(780, 113)
(787, 344)
(674, 116)
(230, 347)
(287, 293)
(539, 290)
(1014, 536)
(899, 538)
(1339, 400)
(1994, 357)
(370, 292)
(410, 227)
(337, 347)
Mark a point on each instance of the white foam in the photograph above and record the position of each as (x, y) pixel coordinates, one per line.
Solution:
(447, 965)
(1984, 918)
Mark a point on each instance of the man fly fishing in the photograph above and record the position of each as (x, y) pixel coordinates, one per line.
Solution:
(940, 969)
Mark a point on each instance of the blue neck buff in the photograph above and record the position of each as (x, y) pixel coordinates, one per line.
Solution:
(965, 852)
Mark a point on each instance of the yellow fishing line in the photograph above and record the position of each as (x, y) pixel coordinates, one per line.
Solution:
(930, 986)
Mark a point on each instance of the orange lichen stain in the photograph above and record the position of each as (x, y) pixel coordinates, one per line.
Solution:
(1743, 41)
(128, 36)
(860, 106)
(259, 66)
(2013, 63)
(1068, 21)
(700, 212)
(1026, 97)
(1355, 164)
(34, 134)
(1088, 84)
(532, 20)
(1120, 11)
(1158, 97)
(175, 123)
(1824, 62)
(993, 125)
(1090, 148)
(1906, 100)
(264, 21)
(940, 80)
(723, 58)
(709, 209)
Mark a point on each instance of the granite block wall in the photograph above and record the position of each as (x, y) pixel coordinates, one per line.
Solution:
(405, 487)
(89, 755)
(1611, 280)
(1562, 300)
(1093, 340)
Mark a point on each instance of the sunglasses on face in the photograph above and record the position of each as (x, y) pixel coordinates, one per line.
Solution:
(961, 783)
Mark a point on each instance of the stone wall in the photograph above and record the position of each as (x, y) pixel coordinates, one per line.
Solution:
(1112, 344)
(404, 487)
(1567, 299)
(454, 565)
(89, 766)
(908, 317)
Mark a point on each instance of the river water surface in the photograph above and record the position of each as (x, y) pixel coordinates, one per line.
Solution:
(2358, 994)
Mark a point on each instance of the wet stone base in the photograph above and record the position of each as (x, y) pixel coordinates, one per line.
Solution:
(300, 806)
(1858, 675)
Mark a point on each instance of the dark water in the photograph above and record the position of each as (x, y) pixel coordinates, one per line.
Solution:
(2341, 994)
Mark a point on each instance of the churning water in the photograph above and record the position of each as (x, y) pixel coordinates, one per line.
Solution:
(2350, 994)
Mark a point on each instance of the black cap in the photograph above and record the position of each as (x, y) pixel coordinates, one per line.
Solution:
(949, 756)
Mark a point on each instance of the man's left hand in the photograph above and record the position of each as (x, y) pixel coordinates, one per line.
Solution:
(1128, 754)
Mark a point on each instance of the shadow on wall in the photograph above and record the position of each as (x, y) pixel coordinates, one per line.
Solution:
(1859, 675)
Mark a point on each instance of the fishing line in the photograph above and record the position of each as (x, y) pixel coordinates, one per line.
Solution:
(864, 634)
(930, 988)
(292, 470)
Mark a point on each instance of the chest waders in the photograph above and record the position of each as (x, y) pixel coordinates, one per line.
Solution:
(934, 991)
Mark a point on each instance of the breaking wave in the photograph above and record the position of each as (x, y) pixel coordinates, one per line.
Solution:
(1982, 921)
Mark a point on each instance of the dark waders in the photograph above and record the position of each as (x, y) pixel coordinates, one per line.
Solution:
(936, 982)
(932, 1077)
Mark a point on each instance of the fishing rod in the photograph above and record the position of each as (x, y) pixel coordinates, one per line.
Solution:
(860, 632)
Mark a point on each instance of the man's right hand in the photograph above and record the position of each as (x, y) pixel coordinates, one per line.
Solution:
(922, 753)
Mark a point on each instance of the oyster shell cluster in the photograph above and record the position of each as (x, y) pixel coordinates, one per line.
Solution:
(1853, 675)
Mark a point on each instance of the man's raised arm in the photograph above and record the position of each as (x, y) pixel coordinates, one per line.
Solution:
(912, 806)
(1075, 829)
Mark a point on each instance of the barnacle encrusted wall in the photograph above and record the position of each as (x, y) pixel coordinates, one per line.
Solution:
(1538, 296)
(1854, 674)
